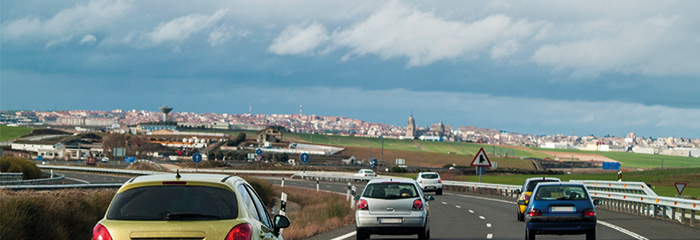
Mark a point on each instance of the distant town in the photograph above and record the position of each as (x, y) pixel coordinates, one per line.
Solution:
(143, 122)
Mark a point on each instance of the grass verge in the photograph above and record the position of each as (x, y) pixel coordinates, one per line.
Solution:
(9, 133)
(319, 212)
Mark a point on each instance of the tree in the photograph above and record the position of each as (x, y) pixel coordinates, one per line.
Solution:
(219, 155)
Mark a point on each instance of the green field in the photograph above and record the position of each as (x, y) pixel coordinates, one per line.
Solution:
(9, 133)
(638, 160)
(662, 180)
(413, 145)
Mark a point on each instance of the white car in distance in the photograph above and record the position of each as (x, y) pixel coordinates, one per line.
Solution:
(365, 173)
(430, 182)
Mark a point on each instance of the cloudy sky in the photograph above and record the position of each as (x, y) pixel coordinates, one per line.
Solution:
(537, 67)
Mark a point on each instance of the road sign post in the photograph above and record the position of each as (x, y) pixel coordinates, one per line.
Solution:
(196, 158)
(481, 161)
(258, 156)
(304, 157)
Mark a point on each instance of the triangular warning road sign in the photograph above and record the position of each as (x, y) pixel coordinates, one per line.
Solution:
(680, 187)
(481, 160)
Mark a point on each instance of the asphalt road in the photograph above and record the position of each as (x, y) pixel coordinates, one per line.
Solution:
(468, 216)
(77, 177)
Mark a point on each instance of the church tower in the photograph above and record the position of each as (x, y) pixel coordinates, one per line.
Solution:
(411, 128)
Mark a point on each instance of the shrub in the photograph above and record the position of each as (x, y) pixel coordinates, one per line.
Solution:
(14, 164)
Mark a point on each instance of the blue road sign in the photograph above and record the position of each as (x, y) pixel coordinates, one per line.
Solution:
(373, 162)
(197, 157)
(258, 151)
(611, 165)
(130, 159)
(304, 157)
(480, 170)
(39, 158)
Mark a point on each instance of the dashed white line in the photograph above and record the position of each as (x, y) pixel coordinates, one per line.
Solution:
(458, 206)
(488, 225)
(482, 217)
(489, 236)
(345, 236)
(445, 203)
(471, 211)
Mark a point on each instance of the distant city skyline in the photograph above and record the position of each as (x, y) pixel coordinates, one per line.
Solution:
(546, 67)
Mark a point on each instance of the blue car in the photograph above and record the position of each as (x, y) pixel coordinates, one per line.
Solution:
(560, 208)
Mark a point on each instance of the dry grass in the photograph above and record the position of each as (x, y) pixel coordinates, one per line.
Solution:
(320, 212)
(54, 215)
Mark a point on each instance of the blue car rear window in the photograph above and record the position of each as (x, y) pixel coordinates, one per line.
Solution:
(174, 203)
(561, 193)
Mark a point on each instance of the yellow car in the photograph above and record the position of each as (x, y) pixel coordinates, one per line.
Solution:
(526, 191)
(188, 206)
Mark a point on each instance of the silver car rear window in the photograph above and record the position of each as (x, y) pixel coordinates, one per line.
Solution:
(429, 176)
(174, 203)
(391, 190)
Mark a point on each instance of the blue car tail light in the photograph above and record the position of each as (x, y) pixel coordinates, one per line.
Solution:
(588, 212)
(534, 212)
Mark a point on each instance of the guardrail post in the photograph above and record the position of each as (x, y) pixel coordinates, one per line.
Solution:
(664, 212)
(692, 217)
(348, 195)
(682, 215)
(673, 213)
(317, 187)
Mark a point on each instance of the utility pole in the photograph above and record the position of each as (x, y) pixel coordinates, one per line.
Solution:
(381, 154)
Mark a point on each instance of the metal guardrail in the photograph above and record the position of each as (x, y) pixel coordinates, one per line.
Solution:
(631, 197)
(49, 178)
(482, 188)
(619, 187)
(100, 170)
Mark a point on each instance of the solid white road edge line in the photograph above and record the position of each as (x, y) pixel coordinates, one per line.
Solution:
(614, 227)
(622, 230)
(345, 236)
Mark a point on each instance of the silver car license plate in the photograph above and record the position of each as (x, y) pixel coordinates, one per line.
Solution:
(562, 209)
(389, 220)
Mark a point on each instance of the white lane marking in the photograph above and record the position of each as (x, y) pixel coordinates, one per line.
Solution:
(471, 211)
(614, 227)
(345, 236)
(622, 230)
(488, 225)
(445, 203)
(482, 217)
(458, 206)
(489, 236)
(77, 180)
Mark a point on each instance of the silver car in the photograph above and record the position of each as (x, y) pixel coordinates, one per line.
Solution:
(393, 207)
